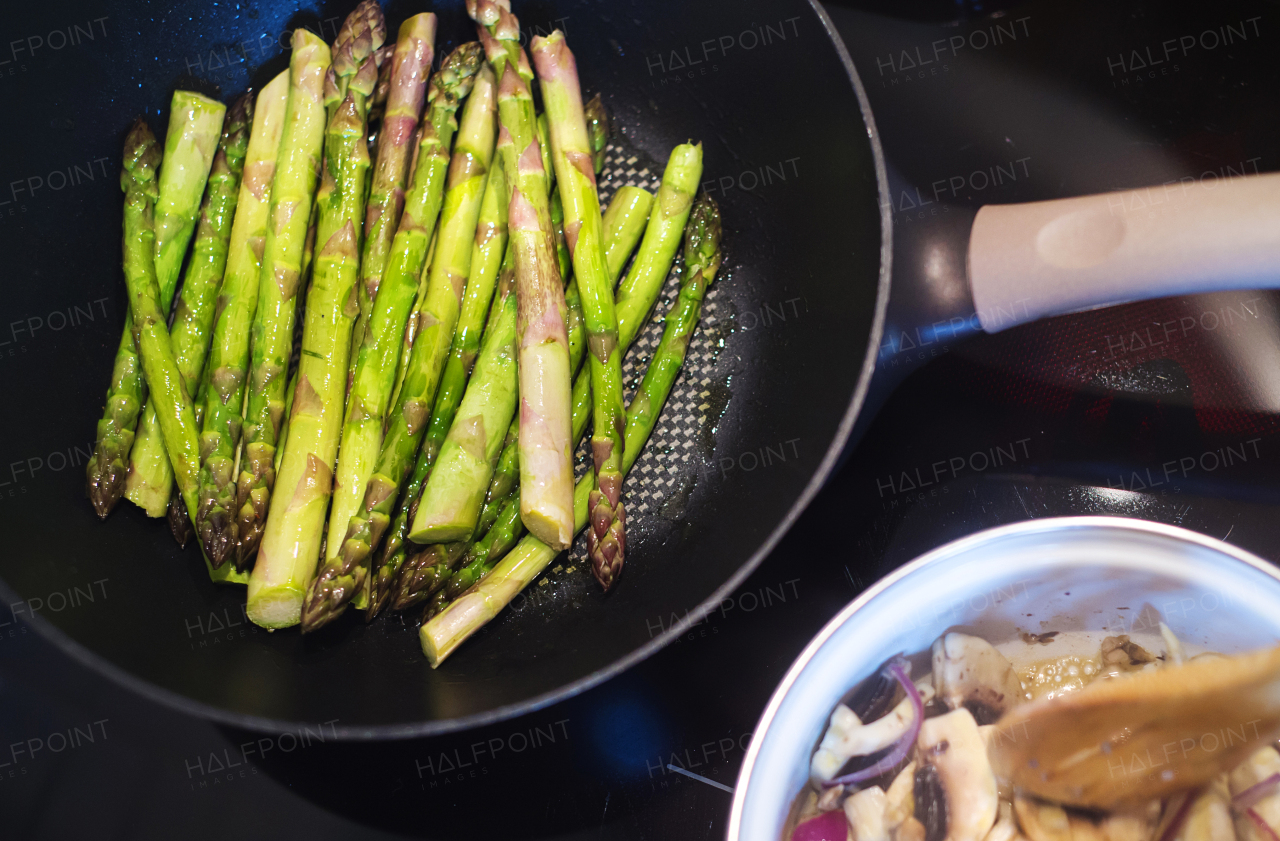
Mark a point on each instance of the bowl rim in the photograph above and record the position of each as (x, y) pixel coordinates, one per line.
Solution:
(940, 554)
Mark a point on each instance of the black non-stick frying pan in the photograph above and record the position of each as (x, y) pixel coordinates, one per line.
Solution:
(774, 380)
(752, 429)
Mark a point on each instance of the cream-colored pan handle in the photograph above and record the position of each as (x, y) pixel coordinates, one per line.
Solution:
(1027, 261)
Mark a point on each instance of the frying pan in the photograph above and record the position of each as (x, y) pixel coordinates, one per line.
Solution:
(775, 378)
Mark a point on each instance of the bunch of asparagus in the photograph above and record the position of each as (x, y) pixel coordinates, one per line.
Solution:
(444, 247)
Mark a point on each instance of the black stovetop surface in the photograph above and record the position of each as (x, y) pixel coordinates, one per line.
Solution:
(1166, 410)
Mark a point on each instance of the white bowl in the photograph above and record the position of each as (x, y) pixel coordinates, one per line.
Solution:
(1063, 574)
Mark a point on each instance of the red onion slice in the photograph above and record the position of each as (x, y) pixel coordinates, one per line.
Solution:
(902, 746)
(829, 826)
(1180, 816)
(1262, 824)
(1255, 792)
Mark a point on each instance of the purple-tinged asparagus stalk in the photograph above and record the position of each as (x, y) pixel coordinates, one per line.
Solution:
(576, 182)
(546, 458)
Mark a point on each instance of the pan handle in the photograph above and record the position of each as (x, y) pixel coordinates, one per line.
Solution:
(1028, 261)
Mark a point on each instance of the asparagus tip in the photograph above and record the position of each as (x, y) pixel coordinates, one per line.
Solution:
(606, 539)
(179, 522)
(104, 486)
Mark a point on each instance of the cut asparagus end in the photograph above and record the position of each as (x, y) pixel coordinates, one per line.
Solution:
(549, 526)
(453, 626)
(443, 532)
(275, 606)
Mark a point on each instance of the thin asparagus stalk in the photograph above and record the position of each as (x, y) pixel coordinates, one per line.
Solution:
(223, 393)
(409, 576)
(562, 247)
(504, 481)
(294, 530)
(445, 632)
(193, 320)
(628, 211)
(339, 578)
(195, 123)
(378, 106)
(164, 380)
(292, 194)
(597, 130)
(410, 66)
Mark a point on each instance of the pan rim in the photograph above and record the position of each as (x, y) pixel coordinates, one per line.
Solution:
(440, 727)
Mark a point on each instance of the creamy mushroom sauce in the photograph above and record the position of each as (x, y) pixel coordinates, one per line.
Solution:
(943, 789)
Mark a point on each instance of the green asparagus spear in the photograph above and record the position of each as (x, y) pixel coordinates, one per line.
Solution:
(292, 194)
(195, 311)
(410, 66)
(342, 575)
(294, 529)
(223, 393)
(597, 130)
(504, 481)
(446, 631)
(378, 103)
(195, 122)
(562, 247)
(194, 144)
(575, 174)
(164, 380)
(628, 211)
(454, 493)
(408, 576)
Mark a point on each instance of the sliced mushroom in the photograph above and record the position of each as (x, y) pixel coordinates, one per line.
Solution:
(865, 811)
(899, 799)
(848, 737)
(1084, 829)
(1003, 788)
(968, 672)
(1121, 652)
(1006, 828)
(1210, 816)
(1257, 768)
(909, 830)
(1132, 823)
(1040, 820)
(951, 746)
